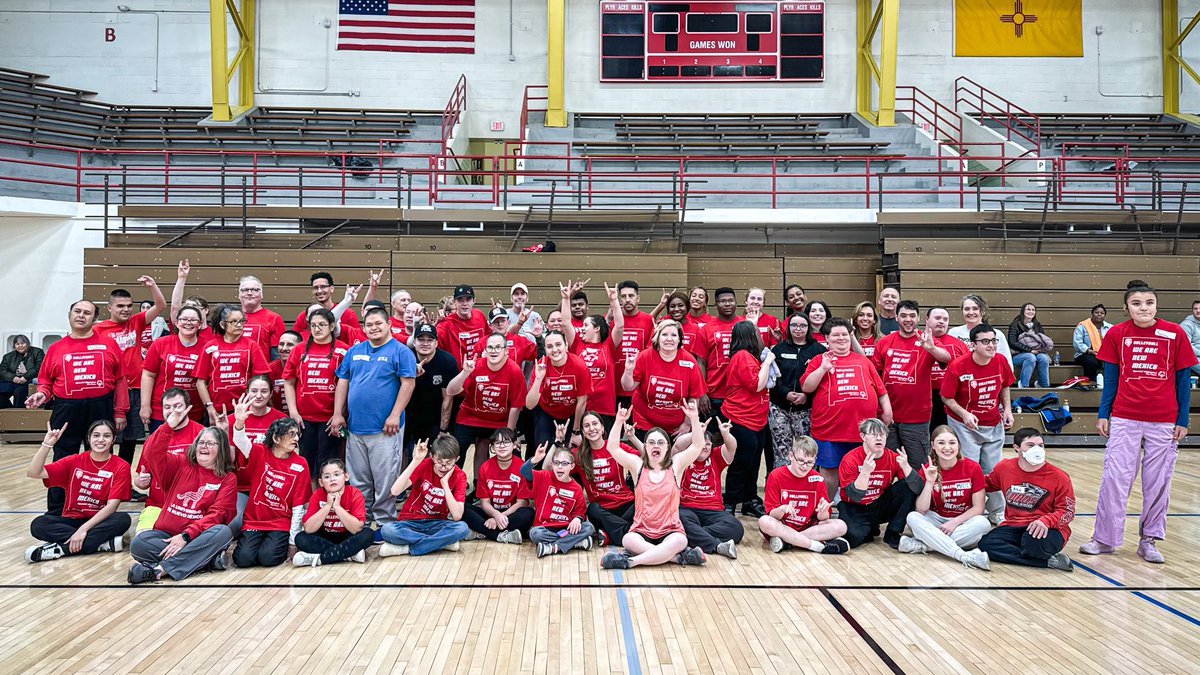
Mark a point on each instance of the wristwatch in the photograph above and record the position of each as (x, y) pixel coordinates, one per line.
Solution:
(186, 537)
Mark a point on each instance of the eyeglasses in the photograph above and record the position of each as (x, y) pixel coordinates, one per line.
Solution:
(805, 462)
(235, 322)
(190, 319)
(249, 290)
(493, 348)
(986, 341)
(318, 326)
(562, 462)
(447, 464)
(502, 444)
(206, 444)
(798, 326)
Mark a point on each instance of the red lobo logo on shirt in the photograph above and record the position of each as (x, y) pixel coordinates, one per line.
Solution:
(848, 384)
(664, 392)
(1145, 358)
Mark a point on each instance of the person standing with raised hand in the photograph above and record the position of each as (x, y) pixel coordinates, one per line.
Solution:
(310, 387)
(638, 327)
(745, 405)
(493, 390)
(597, 346)
(663, 379)
(1143, 414)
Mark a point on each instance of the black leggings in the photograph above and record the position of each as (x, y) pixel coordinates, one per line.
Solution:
(543, 428)
(317, 446)
(334, 546)
(614, 523)
(863, 521)
(741, 482)
(475, 517)
(57, 530)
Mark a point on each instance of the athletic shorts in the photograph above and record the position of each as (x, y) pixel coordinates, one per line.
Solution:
(830, 453)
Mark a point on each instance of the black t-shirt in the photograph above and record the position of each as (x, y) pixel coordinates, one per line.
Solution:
(888, 326)
(425, 406)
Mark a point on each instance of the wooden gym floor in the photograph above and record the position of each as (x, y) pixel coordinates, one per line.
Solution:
(496, 608)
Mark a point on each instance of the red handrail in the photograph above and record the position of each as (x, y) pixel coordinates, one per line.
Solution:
(455, 106)
(526, 109)
(990, 105)
(944, 123)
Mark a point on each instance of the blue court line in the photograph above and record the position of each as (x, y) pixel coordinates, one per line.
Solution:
(631, 652)
(1157, 603)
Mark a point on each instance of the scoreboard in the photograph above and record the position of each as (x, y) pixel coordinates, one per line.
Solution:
(712, 41)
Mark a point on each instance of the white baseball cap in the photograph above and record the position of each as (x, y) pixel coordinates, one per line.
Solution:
(520, 286)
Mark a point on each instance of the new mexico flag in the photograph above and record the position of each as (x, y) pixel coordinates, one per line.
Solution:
(1018, 28)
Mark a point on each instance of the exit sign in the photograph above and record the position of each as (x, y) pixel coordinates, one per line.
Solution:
(497, 125)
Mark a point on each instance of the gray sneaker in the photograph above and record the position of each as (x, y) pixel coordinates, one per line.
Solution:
(615, 561)
(509, 537)
(976, 559)
(1060, 561)
(691, 556)
(912, 545)
(302, 559)
(544, 549)
(472, 535)
(776, 544)
(728, 549)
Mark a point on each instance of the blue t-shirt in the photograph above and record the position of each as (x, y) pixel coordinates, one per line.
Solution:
(374, 374)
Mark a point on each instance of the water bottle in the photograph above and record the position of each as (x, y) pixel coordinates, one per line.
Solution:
(1056, 361)
(1100, 380)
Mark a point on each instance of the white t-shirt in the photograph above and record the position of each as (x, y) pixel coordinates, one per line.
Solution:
(963, 333)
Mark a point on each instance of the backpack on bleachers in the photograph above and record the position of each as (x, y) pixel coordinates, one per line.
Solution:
(1050, 408)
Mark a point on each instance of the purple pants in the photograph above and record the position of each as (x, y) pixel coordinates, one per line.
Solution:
(1127, 440)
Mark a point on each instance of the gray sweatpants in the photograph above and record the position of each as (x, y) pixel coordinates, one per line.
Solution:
(545, 535)
(148, 545)
(373, 463)
(986, 447)
(925, 527)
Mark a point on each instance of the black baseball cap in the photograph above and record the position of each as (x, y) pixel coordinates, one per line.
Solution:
(463, 291)
(496, 313)
(374, 303)
(425, 329)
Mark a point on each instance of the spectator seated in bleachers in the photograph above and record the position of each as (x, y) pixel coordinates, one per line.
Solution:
(1191, 326)
(1090, 332)
(18, 370)
(1030, 347)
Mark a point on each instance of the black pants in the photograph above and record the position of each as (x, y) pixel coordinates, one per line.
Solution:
(13, 395)
(892, 508)
(475, 517)
(317, 446)
(57, 530)
(259, 547)
(938, 417)
(78, 414)
(134, 431)
(334, 546)
(1091, 365)
(706, 528)
(741, 481)
(1015, 546)
(418, 429)
(614, 523)
(543, 428)
(466, 435)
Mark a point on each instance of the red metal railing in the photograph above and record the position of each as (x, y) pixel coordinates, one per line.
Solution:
(988, 105)
(528, 100)
(455, 106)
(943, 123)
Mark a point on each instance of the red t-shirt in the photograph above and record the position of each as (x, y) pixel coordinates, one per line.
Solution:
(349, 320)
(173, 365)
(607, 488)
(712, 345)
(264, 328)
(128, 337)
(1147, 359)
(89, 484)
(489, 395)
(562, 386)
(847, 395)
(977, 388)
(635, 337)
(663, 387)
(867, 344)
(399, 330)
(502, 486)
(952, 497)
(691, 330)
(276, 487)
(85, 368)
(700, 487)
(556, 502)
(744, 403)
(196, 498)
(427, 498)
(766, 324)
(520, 348)
(227, 368)
(905, 368)
(165, 439)
(886, 472)
(459, 337)
(256, 429)
(937, 372)
(1045, 494)
(352, 501)
(599, 357)
(806, 494)
(819, 336)
(313, 369)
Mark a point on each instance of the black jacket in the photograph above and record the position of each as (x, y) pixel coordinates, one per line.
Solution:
(792, 360)
(32, 359)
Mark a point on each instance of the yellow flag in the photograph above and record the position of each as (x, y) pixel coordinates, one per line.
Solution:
(1018, 28)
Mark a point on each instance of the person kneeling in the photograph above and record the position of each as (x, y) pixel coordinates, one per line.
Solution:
(949, 512)
(701, 508)
(560, 507)
(192, 531)
(797, 508)
(96, 482)
(502, 513)
(878, 486)
(335, 522)
(431, 518)
(1039, 504)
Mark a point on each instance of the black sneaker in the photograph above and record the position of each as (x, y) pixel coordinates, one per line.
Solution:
(136, 496)
(836, 546)
(892, 539)
(691, 556)
(43, 552)
(615, 561)
(753, 509)
(1060, 561)
(140, 573)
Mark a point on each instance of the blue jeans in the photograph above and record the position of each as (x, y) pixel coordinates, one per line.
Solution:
(1024, 363)
(424, 536)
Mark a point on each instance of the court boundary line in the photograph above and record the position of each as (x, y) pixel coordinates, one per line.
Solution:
(619, 586)
(632, 660)
(863, 633)
(1141, 593)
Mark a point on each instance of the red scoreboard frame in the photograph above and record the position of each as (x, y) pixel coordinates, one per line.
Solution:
(708, 40)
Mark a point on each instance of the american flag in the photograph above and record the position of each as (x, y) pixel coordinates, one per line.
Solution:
(422, 26)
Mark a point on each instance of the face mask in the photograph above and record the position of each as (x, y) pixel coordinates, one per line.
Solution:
(1035, 455)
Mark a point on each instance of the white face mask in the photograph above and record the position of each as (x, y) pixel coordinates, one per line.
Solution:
(1035, 455)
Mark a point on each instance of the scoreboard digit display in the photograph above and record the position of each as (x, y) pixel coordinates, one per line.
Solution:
(712, 41)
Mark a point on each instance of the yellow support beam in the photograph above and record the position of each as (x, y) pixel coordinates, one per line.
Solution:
(224, 69)
(876, 79)
(556, 40)
(1173, 61)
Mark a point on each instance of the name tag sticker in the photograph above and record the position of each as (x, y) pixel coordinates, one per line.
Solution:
(105, 474)
(361, 357)
(296, 467)
(788, 356)
(1164, 333)
(966, 378)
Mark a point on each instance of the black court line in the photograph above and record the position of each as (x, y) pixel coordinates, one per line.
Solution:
(862, 633)
(711, 587)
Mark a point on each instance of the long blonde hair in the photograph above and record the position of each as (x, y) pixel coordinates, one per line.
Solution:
(933, 457)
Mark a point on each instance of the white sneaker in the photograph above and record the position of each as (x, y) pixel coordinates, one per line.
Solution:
(360, 557)
(912, 545)
(472, 535)
(43, 552)
(302, 559)
(545, 548)
(776, 544)
(585, 545)
(113, 545)
(452, 547)
(387, 550)
(728, 549)
(977, 559)
(510, 537)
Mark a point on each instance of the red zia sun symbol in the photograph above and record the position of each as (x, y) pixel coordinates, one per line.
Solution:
(1018, 18)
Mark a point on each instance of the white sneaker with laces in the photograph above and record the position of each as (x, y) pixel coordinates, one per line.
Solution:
(977, 559)
(387, 550)
(360, 557)
(912, 545)
(302, 559)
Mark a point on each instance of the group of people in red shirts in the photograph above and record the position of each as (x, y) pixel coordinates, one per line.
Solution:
(643, 429)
